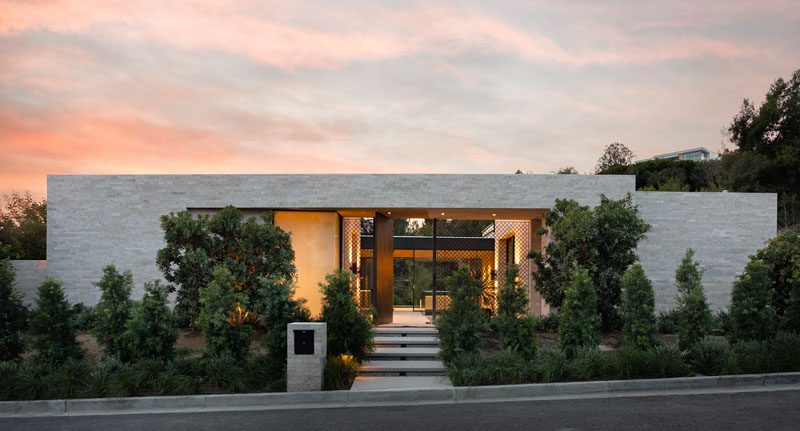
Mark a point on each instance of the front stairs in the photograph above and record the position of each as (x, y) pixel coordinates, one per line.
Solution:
(404, 357)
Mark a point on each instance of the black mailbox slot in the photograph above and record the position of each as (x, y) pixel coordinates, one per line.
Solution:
(303, 341)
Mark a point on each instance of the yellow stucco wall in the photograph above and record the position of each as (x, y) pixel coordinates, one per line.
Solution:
(315, 240)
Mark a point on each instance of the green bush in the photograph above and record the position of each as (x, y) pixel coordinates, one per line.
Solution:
(547, 323)
(113, 311)
(660, 361)
(463, 324)
(53, 325)
(225, 329)
(752, 356)
(12, 314)
(666, 322)
(339, 373)
(785, 348)
(578, 323)
(518, 334)
(588, 363)
(638, 305)
(791, 317)
(710, 356)
(349, 329)
(782, 258)
(693, 316)
(150, 332)
(84, 316)
(721, 323)
(512, 301)
(550, 365)
(752, 315)
(276, 309)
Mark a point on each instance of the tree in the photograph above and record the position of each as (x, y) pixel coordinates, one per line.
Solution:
(225, 324)
(782, 258)
(462, 324)
(12, 311)
(578, 322)
(150, 333)
(614, 154)
(349, 329)
(752, 315)
(602, 240)
(53, 325)
(767, 138)
(277, 308)
(248, 248)
(567, 170)
(23, 226)
(693, 317)
(512, 300)
(637, 308)
(112, 312)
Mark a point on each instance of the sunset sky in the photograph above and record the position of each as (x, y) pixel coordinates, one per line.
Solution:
(91, 86)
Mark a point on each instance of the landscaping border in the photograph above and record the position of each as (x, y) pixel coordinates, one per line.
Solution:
(334, 399)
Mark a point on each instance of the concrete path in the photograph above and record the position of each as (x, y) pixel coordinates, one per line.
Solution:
(405, 356)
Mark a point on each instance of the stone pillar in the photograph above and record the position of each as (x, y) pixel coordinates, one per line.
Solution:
(306, 351)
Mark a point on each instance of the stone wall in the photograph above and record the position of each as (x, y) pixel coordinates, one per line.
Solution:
(94, 220)
(29, 275)
(724, 229)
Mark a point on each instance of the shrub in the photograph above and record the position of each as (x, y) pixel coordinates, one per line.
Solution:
(113, 311)
(588, 363)
(709, 356)
(752, 315)
(791, 318)
(752, 356)
(693, 316)
(222, 319)
(785, 348)
(53, 325)
(666, 322)
(84, 316)
(578, 323)
(349, 329)
(550, 365)
(660, 361)
(462, 325)
(547, 323)
(225, 372)
(518, 334)
(721, 322)
(512, 301)
(339, 373)
(150, 332)
(277, 308)
(638, 305)
(666, 361)
(12, 314)
(195, 246)
(782, 258)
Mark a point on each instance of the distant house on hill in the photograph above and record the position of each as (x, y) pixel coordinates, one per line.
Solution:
(698, 154)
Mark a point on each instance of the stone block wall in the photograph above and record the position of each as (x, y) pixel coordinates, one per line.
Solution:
(724, 229)
(29, 275)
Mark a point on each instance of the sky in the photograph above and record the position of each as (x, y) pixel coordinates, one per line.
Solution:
(225, 86)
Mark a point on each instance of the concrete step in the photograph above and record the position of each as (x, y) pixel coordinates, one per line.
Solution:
(402, 368)
(366, 383)
(404, 332)
(413, 341)
(404, 353)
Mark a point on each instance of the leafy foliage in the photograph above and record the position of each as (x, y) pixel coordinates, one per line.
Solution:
(150, 332)
(666, 322)
(53, 325)
(710, 356)
(518, 334)
(512, 300)
(462, 325)
(349, 329)
(248, 248)
(692, 315)
(752, 315)
(578, 324)
(113, 311)
(638, 306)
(277, 308)
(224, 335)
(23, 226)
(782, 258)
(12, 314)
(615, 154)
(339, 373)
(603, 240)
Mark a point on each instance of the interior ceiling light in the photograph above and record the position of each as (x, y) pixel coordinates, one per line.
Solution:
(494, 214)
(442, 213)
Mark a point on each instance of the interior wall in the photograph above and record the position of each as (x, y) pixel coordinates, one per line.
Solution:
(315, 240)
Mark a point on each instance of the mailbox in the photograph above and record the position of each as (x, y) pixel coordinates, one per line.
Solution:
(303, 341)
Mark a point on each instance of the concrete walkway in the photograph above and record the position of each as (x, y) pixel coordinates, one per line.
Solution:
(405, 356)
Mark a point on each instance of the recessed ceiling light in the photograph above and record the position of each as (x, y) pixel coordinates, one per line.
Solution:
(494, 214)
(390, 213)
(442, 213)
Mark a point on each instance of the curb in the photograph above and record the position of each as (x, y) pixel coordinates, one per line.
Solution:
(332, 399)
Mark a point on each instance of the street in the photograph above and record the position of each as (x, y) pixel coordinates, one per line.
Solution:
(778, 410)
